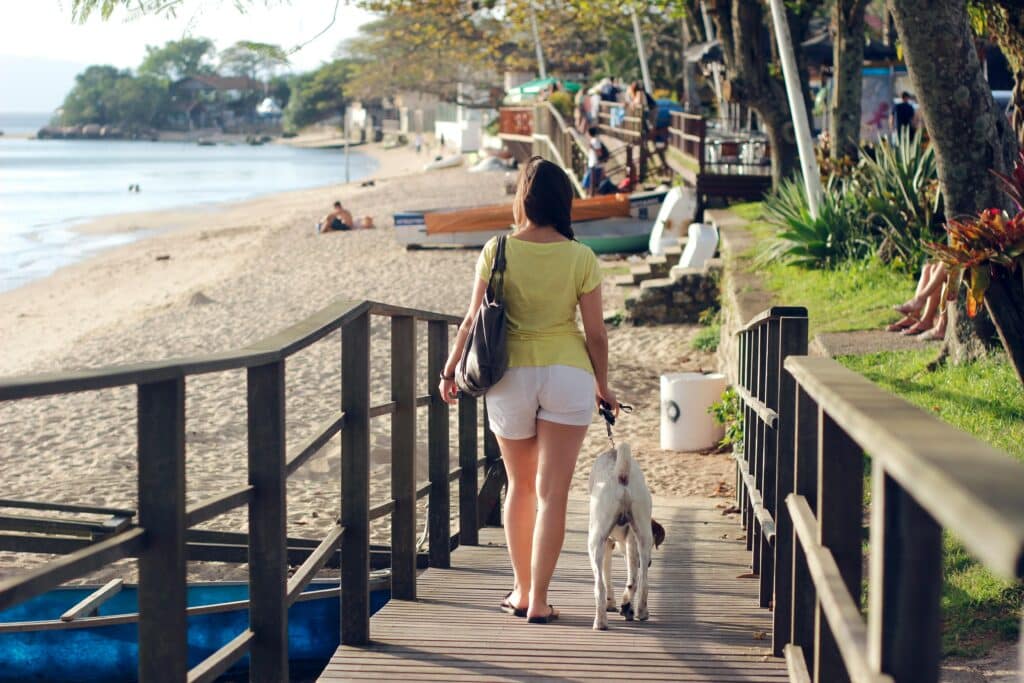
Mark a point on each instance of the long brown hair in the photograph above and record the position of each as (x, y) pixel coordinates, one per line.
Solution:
(544, 195)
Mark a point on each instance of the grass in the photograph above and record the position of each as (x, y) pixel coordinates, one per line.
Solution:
(856, 295)
(707, 338)
(983, 399)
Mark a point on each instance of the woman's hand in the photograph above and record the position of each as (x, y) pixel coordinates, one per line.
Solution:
(448, 390)
(608, 396)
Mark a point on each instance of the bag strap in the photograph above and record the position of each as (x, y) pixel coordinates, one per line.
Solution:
(498, 268)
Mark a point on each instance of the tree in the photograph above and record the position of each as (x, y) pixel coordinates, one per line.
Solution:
(178, 59)
(970, 135)
(847, 62)
(140, 102)
(753, 74)
(319, 94)
(257, 61)
(1003, 22)
(92, 100)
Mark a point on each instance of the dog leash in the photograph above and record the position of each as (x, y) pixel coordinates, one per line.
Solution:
(609, 417)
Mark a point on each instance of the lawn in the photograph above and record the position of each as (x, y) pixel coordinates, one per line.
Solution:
(853, 296)
(984, 399)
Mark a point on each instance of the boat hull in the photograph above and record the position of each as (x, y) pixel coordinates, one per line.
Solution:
(105, 648)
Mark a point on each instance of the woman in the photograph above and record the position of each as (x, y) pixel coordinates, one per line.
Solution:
(541, 408)
(926, 312)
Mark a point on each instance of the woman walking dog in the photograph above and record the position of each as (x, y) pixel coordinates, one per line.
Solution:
(543, 404)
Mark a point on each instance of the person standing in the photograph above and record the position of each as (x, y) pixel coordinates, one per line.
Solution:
(903, 116)
(597, 154)
(542, 406)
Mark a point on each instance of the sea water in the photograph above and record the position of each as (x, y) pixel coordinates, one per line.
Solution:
(49, 186)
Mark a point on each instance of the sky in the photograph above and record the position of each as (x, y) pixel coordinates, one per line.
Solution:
(41, 49)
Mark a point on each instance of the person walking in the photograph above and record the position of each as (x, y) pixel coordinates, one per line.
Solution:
(541, 408)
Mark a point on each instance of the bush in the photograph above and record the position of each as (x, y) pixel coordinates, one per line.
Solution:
(562, 101)
(728, 412)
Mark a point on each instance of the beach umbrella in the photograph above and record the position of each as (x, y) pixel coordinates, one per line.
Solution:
(533, 88)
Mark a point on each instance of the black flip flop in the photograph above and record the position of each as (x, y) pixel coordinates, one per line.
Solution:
(547, 619)
(508, 608)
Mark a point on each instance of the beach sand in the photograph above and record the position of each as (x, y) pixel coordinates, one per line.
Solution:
(222, 278)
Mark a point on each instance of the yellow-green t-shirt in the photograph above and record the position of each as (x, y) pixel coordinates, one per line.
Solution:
(543, 285)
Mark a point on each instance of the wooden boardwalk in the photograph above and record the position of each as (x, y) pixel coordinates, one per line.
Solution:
(705, 623)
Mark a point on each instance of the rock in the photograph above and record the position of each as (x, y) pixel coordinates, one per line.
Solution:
(200, 299)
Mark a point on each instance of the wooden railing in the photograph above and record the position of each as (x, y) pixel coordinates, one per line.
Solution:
(808, 423)
(557, 141)
(159, 539)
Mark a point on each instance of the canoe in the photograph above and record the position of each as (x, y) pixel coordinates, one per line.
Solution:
(614, 235)
(444, 162)
(472, 227)
(35, 645)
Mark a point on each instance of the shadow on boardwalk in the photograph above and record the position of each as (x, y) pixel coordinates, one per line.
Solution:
(705, 623)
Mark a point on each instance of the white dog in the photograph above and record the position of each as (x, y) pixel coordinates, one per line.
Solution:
(620, 515)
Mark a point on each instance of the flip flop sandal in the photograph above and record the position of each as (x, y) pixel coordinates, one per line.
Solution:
(508, 608)
(547, 619)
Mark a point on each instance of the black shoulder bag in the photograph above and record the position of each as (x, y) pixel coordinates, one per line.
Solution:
(485, 356)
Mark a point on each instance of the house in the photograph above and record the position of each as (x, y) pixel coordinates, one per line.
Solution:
(226, 102)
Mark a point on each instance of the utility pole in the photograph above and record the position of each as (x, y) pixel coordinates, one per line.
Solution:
(797, 108)
(346, 128)
(536, 42)
(639, 36)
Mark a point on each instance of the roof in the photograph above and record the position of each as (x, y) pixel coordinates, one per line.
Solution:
(219, 83)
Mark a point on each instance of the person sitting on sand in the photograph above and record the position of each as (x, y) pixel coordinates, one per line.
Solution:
(925, 313)
(338, 219)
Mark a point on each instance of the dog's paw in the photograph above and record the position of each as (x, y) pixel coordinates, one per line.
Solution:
(600, 624)
(611, 607)
(627, 611)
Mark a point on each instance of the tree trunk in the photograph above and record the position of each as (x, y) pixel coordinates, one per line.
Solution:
(1005, 22)
(1003, 298)
(847, 61)
(970, 135)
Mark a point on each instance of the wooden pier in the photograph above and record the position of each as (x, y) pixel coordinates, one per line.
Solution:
(705, 624)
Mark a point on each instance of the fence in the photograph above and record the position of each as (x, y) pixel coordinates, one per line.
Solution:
(808, 423)
(159, 538)
(559, 142)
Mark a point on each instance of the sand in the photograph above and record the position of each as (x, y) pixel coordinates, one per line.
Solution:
(215, 279)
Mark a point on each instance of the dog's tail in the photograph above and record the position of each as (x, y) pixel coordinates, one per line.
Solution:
(623, 463)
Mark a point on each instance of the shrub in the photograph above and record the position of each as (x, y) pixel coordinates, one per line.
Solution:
(727, 411)
(562, 101)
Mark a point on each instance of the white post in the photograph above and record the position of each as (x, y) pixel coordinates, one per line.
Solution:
(639, 36)
(797, 108)
(536, 42)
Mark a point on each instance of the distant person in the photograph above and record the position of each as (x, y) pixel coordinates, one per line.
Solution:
(597, 154)
(419, 142)
(903, 116)
(608, 91)
(337, 220)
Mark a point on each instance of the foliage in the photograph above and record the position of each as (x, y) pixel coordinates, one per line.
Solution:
(253, 60)
(1013, 182)
(179, 58)
(318, 94)
(562, 101)
(105, 95)
(727, 411)
(984, 399)
(81, 10)
(707, 338)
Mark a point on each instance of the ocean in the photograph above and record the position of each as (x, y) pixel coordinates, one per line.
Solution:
(49, 186)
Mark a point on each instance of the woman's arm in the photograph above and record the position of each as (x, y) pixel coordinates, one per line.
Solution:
(592, 312)
(448, 390)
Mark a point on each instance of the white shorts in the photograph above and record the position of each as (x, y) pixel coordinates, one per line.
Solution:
(556, 393)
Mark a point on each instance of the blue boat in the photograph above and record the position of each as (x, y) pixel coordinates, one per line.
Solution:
(36, 645)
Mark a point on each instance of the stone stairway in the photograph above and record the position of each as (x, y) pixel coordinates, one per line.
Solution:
(661, 291)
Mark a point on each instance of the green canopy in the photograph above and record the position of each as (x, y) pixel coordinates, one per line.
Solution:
(533, 88)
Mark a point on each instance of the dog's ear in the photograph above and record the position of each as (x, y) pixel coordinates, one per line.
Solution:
(658, 531)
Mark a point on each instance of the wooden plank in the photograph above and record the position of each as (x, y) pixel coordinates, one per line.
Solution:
(163, 643)
(904, 615)
(793, 342)
(403, 458)
(438, 449)
(796, 665)
(49, 525)
(837, 605)
(704, 625)
(220, 661)
(217, 505)
(805, 483)
(91, 602)
(977, 497)
(469, 476)
(324, 433)
(839, 515)
(381, 510)
(316, 560)
(268, 549)
(355, 481)
(766, 571)
(383, 409)
(761, 410)
(64, 507)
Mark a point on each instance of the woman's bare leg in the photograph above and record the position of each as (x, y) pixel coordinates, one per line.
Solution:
(933, 275)
(931, 308)
(558, 447)
(520, 456)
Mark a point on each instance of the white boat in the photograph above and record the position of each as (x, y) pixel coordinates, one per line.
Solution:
(444, 162)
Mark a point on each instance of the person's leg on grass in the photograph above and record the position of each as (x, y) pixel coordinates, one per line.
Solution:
(928, 313)
(520, 457)
(558, 447)
(933, 275)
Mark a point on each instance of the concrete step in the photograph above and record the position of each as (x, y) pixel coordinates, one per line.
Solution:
(640, 273)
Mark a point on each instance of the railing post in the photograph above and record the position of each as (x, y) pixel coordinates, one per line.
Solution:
(355, 481)
(839, 512)
(756, 461)
(268, 552)
(805, 483)
(904, 616)
(468, 478)
(438, 451)
(163, 631)
(403, 458)
(748, 430)
(793, 342)
(769, 442)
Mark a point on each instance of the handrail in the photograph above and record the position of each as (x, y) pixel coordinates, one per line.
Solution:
(978, 498)
(774, 312)
(274, 348)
